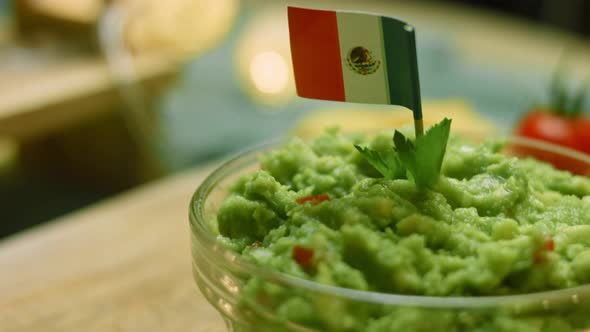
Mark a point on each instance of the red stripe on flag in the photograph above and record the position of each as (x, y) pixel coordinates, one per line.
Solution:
(315, 50)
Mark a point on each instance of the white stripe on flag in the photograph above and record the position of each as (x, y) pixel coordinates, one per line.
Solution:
(356, 30)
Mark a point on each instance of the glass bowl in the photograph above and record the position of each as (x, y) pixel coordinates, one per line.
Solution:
(253, 298)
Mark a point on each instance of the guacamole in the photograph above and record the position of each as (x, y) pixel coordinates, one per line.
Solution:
(492, 224)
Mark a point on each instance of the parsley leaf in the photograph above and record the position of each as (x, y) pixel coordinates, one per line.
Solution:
(388, 164)
(419, 161)
(423, 159)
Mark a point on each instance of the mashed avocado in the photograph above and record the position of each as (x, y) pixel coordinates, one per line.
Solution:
(492, 225)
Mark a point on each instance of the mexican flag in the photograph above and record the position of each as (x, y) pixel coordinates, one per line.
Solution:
(354, 57)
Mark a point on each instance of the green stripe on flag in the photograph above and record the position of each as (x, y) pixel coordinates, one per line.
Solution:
(402, 67)
(384, 57)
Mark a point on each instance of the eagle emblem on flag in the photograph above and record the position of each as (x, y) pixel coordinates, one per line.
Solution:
(360, 60)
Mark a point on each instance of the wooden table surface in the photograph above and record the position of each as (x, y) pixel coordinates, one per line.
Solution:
(122, 265)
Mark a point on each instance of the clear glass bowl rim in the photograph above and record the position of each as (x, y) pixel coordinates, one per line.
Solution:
(203, 234)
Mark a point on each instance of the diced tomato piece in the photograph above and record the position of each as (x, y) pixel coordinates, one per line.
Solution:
(313, 199)
(539, 257)
(549, 244)
(303, 256)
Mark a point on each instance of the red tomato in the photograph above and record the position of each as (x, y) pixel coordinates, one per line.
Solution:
(313, 199)
(549, 244)
(573, 133)
(548, 127)
(540, 256)
(582, 130)
(303, 256)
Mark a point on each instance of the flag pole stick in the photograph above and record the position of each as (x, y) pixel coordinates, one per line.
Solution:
(417, 100)
(419, 127)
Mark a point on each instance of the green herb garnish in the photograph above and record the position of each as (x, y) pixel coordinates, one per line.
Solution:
(423, 159)
(420, 161)
(561, 100)
(388, 164)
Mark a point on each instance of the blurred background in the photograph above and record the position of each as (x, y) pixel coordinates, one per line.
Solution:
(98, 97)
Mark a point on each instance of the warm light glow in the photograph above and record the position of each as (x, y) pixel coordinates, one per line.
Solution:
(263, 59)
(269, 72)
